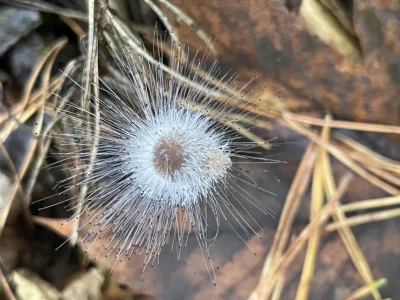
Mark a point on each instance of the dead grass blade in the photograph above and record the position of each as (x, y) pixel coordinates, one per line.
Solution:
(220, 96)
(371, 203)
(73, 25)
(370, 127)
(44, 140)
(19, 109)
(369, 157)
(346, 234)
(365, 218)
(266, 104)
(263, 292)
(366, 290)
(231, 120)
(289, 211)
(317, 202)
(389, 177)
(343, 157)
(28, 158)
(280, 284)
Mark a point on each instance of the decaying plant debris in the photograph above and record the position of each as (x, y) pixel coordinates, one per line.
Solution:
(334, 164)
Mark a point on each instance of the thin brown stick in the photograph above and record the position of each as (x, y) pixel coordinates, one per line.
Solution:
(91, 79)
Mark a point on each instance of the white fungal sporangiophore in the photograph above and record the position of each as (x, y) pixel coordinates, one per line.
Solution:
(163, 170)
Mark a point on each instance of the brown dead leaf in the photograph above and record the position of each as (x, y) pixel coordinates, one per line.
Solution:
(263, 38)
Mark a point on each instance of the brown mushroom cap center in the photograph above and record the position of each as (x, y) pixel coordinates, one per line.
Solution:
(168, 156)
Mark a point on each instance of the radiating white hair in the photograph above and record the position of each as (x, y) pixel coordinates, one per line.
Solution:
(162, 170)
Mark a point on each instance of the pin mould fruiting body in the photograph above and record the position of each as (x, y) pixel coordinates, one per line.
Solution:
(166, 158)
